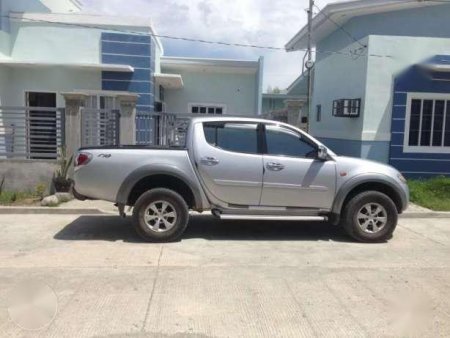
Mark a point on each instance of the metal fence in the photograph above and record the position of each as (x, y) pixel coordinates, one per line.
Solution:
(161, 128)
(100, 127)
(31, 132)
(38, 132)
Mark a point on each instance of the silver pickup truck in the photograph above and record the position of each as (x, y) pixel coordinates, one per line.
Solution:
(243, 169)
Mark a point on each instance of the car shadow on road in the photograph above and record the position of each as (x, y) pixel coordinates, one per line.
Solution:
(114, 228)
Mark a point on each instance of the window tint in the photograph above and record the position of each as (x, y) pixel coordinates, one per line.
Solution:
(237, 137)
(281, 141)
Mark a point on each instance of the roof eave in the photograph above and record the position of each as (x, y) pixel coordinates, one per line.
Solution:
(339, 12)
(205, 62)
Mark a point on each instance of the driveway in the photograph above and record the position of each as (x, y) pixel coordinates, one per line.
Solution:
(226, 279)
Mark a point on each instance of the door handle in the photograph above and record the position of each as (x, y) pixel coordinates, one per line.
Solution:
(208, 160)
(274, 166)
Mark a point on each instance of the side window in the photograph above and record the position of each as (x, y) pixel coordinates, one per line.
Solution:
(285, 142)
(237, 137)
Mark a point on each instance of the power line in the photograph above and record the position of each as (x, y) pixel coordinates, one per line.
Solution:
(339, 26)
(230, 44)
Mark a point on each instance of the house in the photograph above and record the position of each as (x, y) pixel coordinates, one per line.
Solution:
(111, 69)
(212, 86)
(381, 82)
(50, 47)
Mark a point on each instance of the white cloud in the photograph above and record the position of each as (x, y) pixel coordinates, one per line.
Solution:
(259, 22)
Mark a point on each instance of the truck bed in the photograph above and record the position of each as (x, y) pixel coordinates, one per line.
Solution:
(111, 166)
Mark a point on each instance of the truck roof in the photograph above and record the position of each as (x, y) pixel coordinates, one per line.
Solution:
(231, 118)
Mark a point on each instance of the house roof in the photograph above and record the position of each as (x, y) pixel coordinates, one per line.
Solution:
(283, 96)
(300, 84)
(218, 65)
(339, 13)
(88, 66)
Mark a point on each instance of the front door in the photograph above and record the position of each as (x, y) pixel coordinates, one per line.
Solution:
(293, 177)
(229, 162)
(42, 131)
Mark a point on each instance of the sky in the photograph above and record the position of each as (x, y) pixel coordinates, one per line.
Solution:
(258, 22)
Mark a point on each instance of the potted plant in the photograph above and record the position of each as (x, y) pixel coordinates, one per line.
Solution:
(61, 179)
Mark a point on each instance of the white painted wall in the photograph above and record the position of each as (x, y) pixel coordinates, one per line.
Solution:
(237, 91)
(381, 72)
(4, 44)
(158, 53)
(338, 76)
(52, 43)
(49, 79)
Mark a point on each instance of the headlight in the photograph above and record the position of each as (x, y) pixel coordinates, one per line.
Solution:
(401, 178)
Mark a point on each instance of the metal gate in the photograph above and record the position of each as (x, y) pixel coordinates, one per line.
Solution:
(161, 128)
(100, 127)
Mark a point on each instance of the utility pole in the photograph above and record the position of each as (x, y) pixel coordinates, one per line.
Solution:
(309, 62)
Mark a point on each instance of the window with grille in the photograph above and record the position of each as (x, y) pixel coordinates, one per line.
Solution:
(346, 107)
(207, 109)
(428, 124)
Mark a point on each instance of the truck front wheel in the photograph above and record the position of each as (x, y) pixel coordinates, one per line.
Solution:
(160, 215)
(370, 216)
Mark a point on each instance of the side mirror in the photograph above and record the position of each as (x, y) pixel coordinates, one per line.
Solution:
(322, 153)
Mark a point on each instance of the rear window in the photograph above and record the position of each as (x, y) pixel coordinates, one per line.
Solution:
(236, 137)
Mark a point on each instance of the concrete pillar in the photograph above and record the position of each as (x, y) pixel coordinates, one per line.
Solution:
(74, 103)
(127, 104)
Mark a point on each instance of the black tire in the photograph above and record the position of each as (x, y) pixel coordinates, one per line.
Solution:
(351, 224)
(176, 202)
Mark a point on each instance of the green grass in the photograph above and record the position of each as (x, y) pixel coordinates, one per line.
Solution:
(12, 198)
(433, 193)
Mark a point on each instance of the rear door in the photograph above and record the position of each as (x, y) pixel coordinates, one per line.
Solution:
(229, 161)
(293, 176)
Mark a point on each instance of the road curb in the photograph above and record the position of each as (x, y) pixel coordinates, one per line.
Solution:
(435, 214)
(51, 211)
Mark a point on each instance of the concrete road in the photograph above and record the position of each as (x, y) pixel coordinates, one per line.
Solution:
(229, 279)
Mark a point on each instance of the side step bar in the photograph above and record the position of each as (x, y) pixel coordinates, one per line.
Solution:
(271, 217)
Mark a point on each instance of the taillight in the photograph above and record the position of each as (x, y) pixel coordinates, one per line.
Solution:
(82, 159)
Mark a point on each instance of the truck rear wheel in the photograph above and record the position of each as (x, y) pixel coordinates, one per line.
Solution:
(160, 215)
(370, 216)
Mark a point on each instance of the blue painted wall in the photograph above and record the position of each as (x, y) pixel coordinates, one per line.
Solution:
(415, 165)
(137, 51)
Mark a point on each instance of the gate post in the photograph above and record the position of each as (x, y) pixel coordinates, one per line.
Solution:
(127, 131)
(74, 103)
